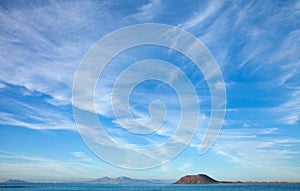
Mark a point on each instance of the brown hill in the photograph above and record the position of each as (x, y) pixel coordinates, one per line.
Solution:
(196, 179)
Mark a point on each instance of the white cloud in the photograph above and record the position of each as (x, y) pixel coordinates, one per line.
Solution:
(185, 167)
(44, 117)
(2, 85)
(148, 11)
(40, 169)
(82, 156)
(41, 46)
(257, 148)
(203, 14)
(11, 119)
(287, 54)
(289, 110)
(246, 125)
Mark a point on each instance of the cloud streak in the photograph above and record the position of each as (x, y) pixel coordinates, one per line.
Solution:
(56, 33)
(256, 148)
(33, 112)
(43, 169)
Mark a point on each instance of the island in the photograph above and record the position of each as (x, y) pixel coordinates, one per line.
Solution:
(205, 179)
(196, 179)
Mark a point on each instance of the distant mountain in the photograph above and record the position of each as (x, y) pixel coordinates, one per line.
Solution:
(15, 182)
(196, 179)
(119, 180)
(104, 180)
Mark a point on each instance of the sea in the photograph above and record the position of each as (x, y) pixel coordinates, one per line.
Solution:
(152, 187)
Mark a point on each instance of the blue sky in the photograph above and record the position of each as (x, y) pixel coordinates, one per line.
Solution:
(255, 44)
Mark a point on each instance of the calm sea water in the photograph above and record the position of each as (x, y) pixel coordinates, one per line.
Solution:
(154, 187)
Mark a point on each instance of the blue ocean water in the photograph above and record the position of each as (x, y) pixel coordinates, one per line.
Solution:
(154, 187)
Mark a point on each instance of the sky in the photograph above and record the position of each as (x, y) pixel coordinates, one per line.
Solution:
(255, 44)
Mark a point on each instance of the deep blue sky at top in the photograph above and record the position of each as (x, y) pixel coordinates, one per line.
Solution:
(255, 43)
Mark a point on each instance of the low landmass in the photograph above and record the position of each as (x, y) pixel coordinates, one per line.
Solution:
(118, 180)
(103, 180)
(204, 179)
(13, 181)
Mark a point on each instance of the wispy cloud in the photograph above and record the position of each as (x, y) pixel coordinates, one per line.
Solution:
(203, 15)
(148, 11)
(256, 148)
(40, 115)
(43, 169)
(57, 34)
(12, 120)
(82, 156)
(289, 110)
(235, 38)
(261, 51)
